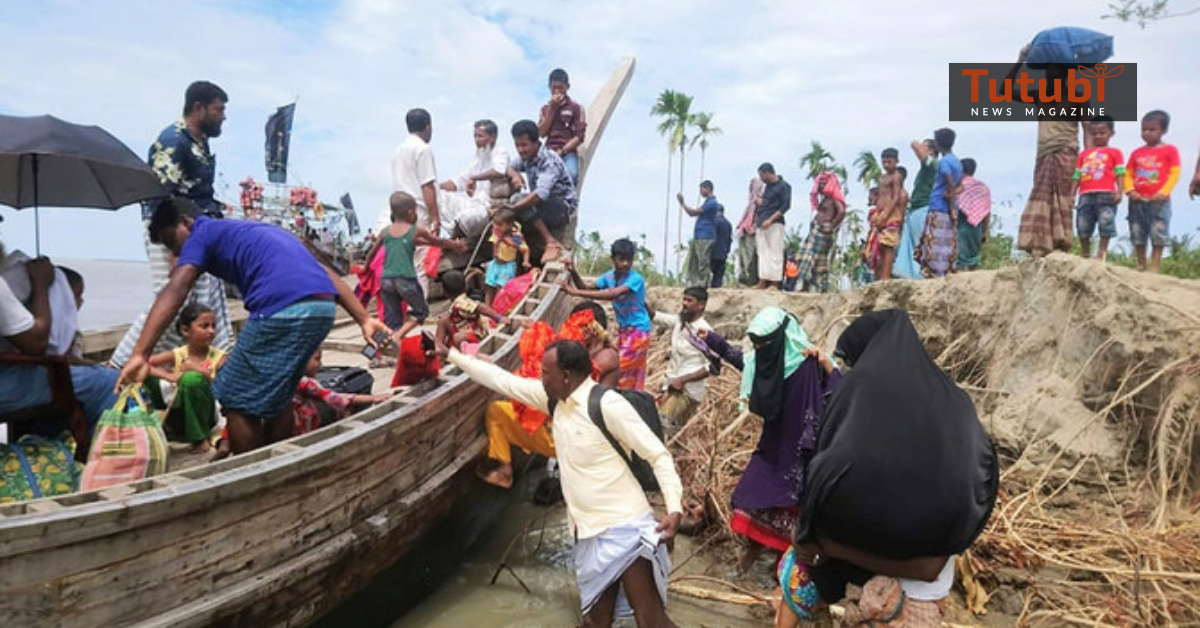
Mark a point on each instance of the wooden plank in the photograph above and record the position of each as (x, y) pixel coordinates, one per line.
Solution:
(600, 112)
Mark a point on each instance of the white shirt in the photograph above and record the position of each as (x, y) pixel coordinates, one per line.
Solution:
(412, 167)
(14, 318)
(930, 591)
(495, 158)
(64, 314)
(598, 487)
(685, 357)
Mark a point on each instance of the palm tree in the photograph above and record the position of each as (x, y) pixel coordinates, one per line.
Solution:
(704, 130)
(674, 109)
(869, 171)
(816, 160)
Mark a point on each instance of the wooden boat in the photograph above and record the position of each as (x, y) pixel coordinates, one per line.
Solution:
(275, 537)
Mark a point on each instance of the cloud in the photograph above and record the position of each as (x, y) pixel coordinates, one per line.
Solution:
(854, 75)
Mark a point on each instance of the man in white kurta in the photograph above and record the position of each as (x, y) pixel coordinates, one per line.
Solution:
(465, 200)
(617, 538)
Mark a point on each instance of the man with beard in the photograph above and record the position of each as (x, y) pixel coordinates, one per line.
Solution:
(688, 365)
(186, 167)
(465, 200)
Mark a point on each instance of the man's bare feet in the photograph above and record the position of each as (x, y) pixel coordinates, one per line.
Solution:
(552, 252)
(500, 475)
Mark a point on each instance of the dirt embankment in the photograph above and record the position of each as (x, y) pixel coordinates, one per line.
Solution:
(1088, 378)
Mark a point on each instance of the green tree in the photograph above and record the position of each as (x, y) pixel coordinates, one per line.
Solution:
(704, 130)
(816, 160)
(1143, 11)
(869, 171)
(674, 108)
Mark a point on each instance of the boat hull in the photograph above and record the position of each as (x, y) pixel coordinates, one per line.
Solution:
(276, 537)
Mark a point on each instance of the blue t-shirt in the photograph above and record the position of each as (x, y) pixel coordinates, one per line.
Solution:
(269, 265)
(630, 307)
(948, 165)
(706, 228)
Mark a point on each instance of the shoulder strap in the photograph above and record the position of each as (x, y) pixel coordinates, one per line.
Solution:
(597, 415)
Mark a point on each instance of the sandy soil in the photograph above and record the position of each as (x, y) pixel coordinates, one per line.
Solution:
(1088, 378)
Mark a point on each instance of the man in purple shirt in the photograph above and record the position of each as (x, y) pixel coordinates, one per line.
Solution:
(563, 122)
(290, 297)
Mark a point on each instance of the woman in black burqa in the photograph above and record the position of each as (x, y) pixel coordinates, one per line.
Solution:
(904, 476)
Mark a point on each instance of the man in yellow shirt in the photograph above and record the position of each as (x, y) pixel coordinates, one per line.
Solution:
(620, 561)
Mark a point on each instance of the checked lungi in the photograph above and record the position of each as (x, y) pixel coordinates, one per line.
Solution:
(633, 347)
(815, 260)
(263, 371)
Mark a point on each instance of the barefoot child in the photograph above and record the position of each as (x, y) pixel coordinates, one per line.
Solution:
(464, 326)
(399, 279)
(889, 215)
(1099, 169)
(626, 288)
(1153, 171)
(315, 406)
(508, 242)
(192, 414)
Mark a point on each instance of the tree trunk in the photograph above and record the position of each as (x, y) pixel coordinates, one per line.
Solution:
(667, 212)
(679, 225)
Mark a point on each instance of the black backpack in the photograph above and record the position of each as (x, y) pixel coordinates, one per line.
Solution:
(349, 380)
(646, 408)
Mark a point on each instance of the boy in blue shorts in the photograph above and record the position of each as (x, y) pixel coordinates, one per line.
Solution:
(626, 288)
(291, 299)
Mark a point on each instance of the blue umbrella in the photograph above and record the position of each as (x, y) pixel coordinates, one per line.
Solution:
(46, 161)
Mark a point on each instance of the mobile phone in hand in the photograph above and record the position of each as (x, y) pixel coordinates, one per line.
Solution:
(381, 339)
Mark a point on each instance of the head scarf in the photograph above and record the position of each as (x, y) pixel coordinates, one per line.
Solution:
(780, 343)
(903, 468)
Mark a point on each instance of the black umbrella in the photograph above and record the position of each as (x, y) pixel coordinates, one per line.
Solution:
(46, 161)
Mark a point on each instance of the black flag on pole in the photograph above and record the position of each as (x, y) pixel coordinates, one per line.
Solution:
(279, 136)
(351, 215)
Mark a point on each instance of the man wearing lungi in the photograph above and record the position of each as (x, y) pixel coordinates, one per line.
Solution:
(186, 166)
(621, 563)
(291, 299)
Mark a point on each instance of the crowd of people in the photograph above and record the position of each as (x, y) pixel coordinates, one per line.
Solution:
(825, 487)
(940, 226)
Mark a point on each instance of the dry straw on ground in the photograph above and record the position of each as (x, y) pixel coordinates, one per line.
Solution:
(1087, 377)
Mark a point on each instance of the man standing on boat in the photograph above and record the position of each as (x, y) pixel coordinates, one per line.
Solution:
(466, 199)
(415, 173)
(620, 559)
(291, 299)
(186, 167)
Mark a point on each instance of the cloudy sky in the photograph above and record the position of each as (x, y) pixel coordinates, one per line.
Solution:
(854, 75)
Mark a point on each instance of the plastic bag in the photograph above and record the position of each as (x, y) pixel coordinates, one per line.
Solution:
(1070, 45)
(128, 445)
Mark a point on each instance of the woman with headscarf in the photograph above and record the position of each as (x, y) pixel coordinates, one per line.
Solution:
(785, 379)
(904, 477)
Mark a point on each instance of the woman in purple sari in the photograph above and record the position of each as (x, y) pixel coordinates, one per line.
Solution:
(786, 380)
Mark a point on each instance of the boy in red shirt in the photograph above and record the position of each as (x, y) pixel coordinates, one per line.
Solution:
(1153, 171)
(1097, 173)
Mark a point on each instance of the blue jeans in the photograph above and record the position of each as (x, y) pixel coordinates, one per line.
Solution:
(27, 386)
(1150, 221)
(572, 163)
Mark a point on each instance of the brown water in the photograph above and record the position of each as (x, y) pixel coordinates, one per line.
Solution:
(540, 556)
